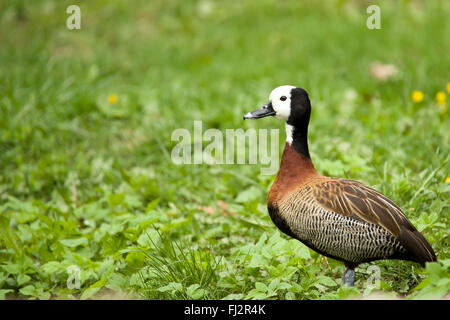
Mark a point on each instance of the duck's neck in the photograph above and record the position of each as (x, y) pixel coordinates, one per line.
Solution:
(297, 138)
(296, 165)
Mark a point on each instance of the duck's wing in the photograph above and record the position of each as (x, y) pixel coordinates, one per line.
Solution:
(356, 200)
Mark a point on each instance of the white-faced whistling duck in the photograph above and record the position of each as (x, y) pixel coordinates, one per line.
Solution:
(338, 218)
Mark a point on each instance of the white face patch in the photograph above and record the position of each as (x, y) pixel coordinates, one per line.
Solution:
(281, 105)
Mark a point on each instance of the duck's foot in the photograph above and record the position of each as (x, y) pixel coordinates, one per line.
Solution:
(348, 277)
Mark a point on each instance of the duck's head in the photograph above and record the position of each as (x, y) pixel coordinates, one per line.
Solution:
(287, 103)
(292, 105)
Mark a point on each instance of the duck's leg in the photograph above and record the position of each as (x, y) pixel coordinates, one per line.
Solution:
(348, 276)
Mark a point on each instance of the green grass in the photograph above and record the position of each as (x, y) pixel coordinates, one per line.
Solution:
(88, 184)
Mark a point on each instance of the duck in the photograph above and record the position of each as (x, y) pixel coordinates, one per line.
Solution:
(339, 218)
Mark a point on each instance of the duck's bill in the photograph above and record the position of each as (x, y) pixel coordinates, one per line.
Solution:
(265, 111)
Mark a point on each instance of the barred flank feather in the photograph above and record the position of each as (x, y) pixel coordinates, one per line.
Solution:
(355, 200)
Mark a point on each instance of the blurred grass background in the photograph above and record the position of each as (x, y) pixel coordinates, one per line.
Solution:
(74, 165)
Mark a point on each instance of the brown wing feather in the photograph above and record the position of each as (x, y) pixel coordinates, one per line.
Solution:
(354, 199)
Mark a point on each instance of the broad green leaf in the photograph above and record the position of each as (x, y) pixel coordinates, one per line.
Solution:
(93, 289)
(326, 281)
(195, 292)
(261, 287)
(4, 292)
(72, 243)
(249, 195)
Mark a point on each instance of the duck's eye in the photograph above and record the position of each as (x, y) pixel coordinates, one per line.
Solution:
(283, 98)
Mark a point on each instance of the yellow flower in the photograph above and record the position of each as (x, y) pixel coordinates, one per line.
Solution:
(112, 98)
(448, 87)
(447, 180)
(440, 97)
(417, 96)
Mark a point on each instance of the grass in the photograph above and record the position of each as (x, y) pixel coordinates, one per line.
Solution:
(184, 270)
(90, 184)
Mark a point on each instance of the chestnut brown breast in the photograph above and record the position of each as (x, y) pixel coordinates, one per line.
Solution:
(295, 171)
